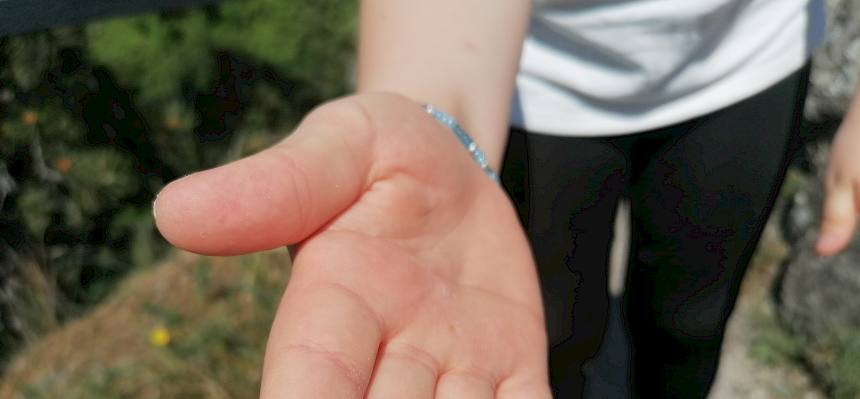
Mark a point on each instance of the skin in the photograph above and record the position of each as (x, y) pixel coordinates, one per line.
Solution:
(462, 67)
(842, 186)
(389, 297)
(413, 278)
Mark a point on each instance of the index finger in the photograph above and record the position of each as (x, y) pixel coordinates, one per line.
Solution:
(323, 344)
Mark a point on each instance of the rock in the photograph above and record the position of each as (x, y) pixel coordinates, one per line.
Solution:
(802, 212)
(836, 67)
(801, 216)
(817, 297)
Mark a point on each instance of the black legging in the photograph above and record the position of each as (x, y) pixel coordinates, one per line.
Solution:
(700, 194)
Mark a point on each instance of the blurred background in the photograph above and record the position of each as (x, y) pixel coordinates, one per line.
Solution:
(95, 118)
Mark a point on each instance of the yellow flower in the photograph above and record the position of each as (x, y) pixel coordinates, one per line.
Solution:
(159, 337)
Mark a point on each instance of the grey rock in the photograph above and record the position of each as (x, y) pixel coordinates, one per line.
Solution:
(802, 211)
(836, 66)
(817, 297)
(801, 216)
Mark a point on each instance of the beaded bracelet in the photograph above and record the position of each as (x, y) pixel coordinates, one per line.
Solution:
(464, 138)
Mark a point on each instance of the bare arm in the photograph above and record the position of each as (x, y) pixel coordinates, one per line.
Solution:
(414, 278)
(461, 56)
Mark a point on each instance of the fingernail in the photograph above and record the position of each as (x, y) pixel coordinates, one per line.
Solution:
(154, 215)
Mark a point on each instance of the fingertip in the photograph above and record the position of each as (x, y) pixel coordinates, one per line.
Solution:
(830, 243)
(173, 212)
(159, 221)
(222, 211)
(836, 232)
(215, 212)
(839, 217)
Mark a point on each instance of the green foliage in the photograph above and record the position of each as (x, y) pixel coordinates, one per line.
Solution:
(152, 54)
(95, 120)
(36, 215)
(839, 354)
(32, 56)
(309, 41)
(835, 360)
(772, 344)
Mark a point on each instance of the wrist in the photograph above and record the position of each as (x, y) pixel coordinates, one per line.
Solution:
(464, 138)
(486, 126)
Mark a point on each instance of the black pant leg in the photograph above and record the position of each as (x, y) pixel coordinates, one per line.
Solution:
(567, 190)
(700, 197)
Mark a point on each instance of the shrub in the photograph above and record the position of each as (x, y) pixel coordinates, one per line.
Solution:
(95, 120)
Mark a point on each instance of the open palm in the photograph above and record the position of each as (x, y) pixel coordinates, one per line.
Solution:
(413, 278)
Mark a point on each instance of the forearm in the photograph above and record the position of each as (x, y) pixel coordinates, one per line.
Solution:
(461, 56)
(852, 114)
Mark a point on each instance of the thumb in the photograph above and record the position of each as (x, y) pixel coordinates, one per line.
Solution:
(277, 197)
(838, 220)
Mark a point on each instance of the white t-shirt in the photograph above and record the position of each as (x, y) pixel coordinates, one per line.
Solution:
(608, 67)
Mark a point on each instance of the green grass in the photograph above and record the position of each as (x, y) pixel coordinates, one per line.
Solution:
(834, 361)
(772, 344)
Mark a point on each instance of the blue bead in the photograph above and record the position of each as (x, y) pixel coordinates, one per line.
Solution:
(464, 138)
